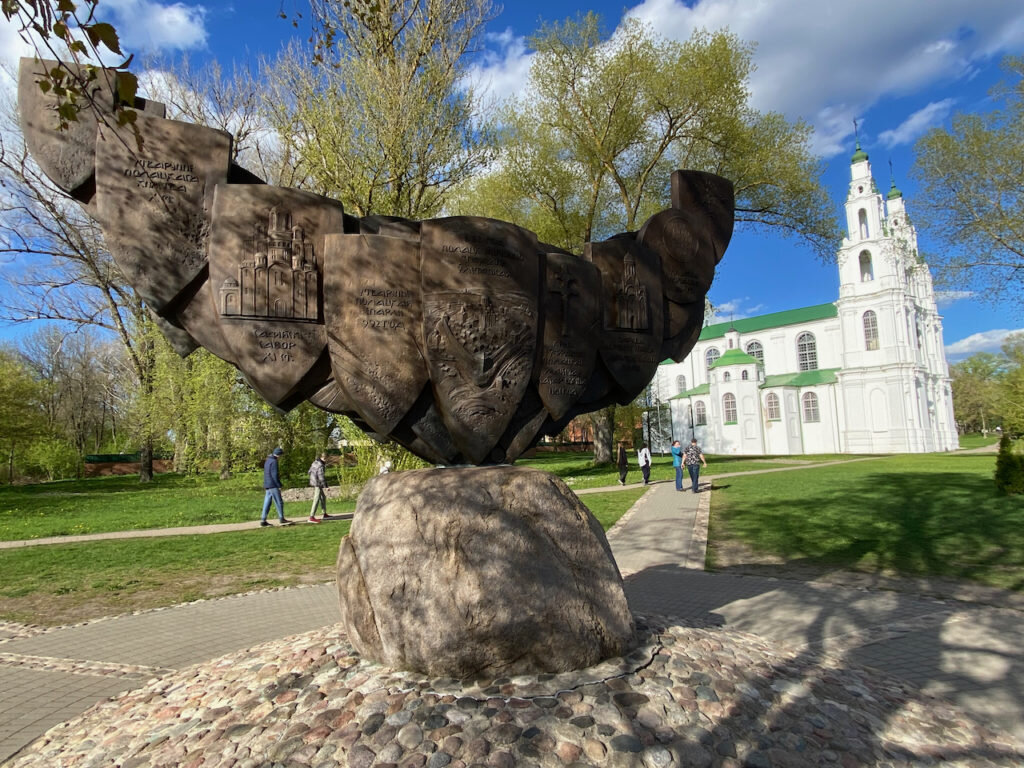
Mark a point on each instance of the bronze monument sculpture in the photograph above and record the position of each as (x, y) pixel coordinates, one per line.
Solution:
(464, 339)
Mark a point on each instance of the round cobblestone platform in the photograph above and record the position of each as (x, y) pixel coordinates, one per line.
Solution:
(687, 696)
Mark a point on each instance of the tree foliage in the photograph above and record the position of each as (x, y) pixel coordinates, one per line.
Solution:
(377, 114)
(22, 417)
(970, 198)
(587, 149)
(975, 383)
(69, 32)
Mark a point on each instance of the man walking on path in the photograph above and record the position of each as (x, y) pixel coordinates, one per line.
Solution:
(318, 481)
(623, 464)
(693, 458)
(644, 457)
(272, 485)
(677, 462)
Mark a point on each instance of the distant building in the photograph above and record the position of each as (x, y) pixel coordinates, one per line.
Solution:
(277, 277)
(866, 373)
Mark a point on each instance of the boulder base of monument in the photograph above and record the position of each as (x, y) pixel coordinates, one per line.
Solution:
(480, 572)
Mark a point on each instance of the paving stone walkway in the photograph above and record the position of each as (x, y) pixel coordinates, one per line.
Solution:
(968, 653)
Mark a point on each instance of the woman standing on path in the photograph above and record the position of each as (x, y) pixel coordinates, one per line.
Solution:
(693, 458)
(677, 463)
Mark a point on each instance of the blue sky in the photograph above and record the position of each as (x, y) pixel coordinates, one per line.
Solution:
(898, 68)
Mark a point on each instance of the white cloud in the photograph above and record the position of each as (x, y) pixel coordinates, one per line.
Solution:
(945, 298)
(830, 62)
(734, 309)
(986, 341)
(504, 67)
(146, 25)
(917, 124)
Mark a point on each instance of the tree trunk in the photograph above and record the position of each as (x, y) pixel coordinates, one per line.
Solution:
(604, 431)
(146, 462)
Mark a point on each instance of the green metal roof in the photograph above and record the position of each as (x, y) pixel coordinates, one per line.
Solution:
(802, 379)
(859, 156)
(893, 192)
(772, 320)
(703, 389)
(734, 357)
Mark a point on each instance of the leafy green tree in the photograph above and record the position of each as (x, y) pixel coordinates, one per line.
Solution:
(588, 149)
(22, 417)
(1011, 385)
(970, 198)
(975, 383)
(377, 114)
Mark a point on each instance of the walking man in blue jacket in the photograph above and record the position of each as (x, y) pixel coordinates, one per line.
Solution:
(272, 485)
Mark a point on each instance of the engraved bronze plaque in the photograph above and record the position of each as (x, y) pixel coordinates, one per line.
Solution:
(691, 237)
(373, 309)
(633, 311)
(266, 274)
(572, 324)
(154, 203)
(480, 279)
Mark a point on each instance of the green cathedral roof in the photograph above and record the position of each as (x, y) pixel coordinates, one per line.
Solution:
(771, 320)
(734, 357)
(802, 379)
(859, 156)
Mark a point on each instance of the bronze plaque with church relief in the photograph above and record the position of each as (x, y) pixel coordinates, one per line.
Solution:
(572, 321)
(266, 273)
(480, 279)
(154, 202)
(633, 310)
(372, 303)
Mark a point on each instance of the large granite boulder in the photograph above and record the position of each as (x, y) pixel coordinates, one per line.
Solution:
(480, 572)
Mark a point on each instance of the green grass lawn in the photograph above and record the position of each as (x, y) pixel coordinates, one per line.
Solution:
(102, 504)
(65, 583)
(933, 514)
(977, 440)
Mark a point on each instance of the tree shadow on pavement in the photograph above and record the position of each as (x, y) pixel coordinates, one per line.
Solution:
(966, 654)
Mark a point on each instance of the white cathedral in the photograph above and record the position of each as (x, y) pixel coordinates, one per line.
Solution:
(864, 374)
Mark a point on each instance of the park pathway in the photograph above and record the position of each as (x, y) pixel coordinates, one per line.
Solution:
(966, 652)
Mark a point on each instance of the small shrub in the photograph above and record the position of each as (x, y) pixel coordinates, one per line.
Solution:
(1009, 473)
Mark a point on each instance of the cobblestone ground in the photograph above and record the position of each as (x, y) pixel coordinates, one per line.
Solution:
(687, 696)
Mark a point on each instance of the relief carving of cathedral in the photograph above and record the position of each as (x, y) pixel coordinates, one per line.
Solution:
(278, 275)
(631, 299)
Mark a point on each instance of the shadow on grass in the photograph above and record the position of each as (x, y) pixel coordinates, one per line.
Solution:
(952, 651)
(933, 524)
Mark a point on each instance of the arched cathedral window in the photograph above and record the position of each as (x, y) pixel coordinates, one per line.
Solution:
(867, 274)
(862, 221)
(811, 413)
(807, 352)
(729, 407)
(755, 350)
(680, 384)
(870, 330)
(700, 414)
(710, 356)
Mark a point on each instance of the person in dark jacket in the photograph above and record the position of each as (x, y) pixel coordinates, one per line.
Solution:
(318, 481)
(623, 464)
(272, 485)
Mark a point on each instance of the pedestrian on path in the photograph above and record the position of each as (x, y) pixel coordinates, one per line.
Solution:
(644, 458)
(272, 485)
(318, 481)
(677, 463)
(693, 458)
(623, 464)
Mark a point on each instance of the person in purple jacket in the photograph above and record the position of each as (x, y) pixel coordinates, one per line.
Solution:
(272, 485)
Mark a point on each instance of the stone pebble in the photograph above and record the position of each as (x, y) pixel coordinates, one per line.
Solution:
(688, 696)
